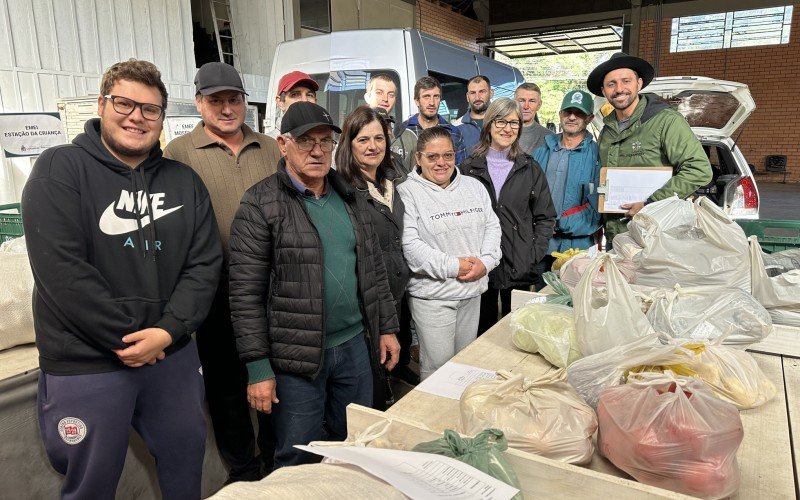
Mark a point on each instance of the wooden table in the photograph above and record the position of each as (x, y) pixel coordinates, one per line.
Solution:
(765, 456)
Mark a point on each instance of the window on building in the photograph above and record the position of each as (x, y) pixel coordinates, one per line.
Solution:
(743, 28)
(315, 15)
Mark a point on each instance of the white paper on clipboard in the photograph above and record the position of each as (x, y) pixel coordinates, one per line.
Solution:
(629, 185)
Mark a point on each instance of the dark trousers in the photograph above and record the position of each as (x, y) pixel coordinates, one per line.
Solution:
(544, 265)
(225, 378)
(310, 410)
(489, 310)
(382, 389)
(85, 422)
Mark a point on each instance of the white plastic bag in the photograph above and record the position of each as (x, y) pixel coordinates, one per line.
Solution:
(543, 416)
(673, 434)
(16, 326)
(591, 374)
(548, 329)
(625, 246)
(732, 374)
(606, 320)
(778, 291)
(708, 313)
(574, 269)
(706, 249)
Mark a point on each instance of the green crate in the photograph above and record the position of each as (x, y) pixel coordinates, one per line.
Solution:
(773, 235)
(10, 222)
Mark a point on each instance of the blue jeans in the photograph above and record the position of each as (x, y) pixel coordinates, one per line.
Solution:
(307, 405)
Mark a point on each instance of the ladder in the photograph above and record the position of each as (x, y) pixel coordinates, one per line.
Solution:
(223, 30)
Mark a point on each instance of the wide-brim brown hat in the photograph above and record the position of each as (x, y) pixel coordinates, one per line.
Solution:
(618, 61)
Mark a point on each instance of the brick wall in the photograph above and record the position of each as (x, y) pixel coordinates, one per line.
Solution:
(771, 71)
(441, 21)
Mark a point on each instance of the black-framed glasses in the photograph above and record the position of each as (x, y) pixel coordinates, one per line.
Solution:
(307, 144)
(125, 106)
(501, 124)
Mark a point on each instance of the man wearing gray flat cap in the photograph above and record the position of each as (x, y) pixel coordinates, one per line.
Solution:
(230, 157)
(310, 302)
(644, 131)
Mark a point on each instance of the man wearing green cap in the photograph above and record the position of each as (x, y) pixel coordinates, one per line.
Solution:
(644, 132)
(571, 163)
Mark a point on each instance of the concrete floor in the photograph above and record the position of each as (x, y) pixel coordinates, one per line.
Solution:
(779, 201)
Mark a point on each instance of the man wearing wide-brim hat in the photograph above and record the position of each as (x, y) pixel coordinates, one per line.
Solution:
(643, 131)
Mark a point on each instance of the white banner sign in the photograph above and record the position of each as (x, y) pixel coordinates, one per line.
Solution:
(176, 126)
(28, 134)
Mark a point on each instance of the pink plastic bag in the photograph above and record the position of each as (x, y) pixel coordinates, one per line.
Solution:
(673, 434)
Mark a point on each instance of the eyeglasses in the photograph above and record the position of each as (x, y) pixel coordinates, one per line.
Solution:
(125, 106)
(307, 144)
(501, 124)
(434, 157)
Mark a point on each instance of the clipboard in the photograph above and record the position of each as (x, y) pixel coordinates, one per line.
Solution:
(620, 185)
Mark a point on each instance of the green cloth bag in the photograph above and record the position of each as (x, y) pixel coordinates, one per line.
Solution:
(484, 452)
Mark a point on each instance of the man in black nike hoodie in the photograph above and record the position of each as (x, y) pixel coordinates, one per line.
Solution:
(126, 256)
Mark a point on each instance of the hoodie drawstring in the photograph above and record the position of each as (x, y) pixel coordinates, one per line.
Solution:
(150, 211)
(137, 212)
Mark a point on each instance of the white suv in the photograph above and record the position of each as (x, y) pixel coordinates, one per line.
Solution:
(715, 109)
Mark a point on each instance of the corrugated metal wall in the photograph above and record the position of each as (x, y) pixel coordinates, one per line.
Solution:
(60, 48)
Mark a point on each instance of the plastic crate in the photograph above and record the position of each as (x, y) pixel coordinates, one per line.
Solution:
(10, 222)
(773, 235)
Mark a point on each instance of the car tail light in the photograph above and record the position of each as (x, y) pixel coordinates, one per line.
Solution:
(749, 192)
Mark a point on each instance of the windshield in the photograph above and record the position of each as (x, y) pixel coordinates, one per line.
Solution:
(343, 91)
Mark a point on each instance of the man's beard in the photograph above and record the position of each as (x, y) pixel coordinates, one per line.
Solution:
(479, 109)
(434, 116)
(625, 105)
(121, 150)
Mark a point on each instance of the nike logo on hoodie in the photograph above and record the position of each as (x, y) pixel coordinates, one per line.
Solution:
(112, 224)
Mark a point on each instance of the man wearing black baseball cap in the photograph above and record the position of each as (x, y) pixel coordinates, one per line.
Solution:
(310, 301)
(644, 132)
(230, 157)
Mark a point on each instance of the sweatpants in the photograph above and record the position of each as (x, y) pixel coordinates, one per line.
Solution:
(444, 328)
(85, 420)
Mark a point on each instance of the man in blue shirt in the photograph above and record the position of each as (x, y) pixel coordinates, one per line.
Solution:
(571, 163)
(479, 95)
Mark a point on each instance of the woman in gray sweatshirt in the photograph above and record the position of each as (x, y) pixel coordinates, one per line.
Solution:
(451, 240)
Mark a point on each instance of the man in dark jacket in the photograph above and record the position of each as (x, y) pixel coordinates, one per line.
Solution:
(310, 302)
(126, 256)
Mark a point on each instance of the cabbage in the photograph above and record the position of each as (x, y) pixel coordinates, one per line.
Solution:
(548, 329)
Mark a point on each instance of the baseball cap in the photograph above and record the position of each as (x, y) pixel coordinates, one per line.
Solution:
(383, 114)
(290, 80)
(578, 99)
(217, 76)
(303, 116)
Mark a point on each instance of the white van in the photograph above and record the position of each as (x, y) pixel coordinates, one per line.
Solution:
(342, 62)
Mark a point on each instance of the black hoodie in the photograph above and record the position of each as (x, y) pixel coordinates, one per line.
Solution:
(102, 269)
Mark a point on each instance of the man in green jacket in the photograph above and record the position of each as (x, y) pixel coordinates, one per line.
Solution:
(644, 132)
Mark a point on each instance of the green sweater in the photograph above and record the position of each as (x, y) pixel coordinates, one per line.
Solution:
(343, 319)
(657, 136)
